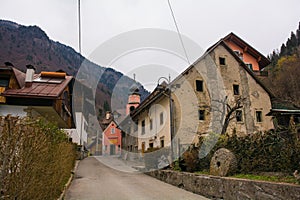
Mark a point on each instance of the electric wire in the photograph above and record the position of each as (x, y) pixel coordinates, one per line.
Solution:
(178, 32)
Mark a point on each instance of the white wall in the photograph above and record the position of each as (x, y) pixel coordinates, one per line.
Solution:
(13, 110)
(75, 133)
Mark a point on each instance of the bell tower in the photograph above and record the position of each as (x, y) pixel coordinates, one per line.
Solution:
(134, 99)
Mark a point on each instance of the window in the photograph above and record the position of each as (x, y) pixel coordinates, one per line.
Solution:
(249, 65)
(105, 147)
(4, 81)
(199, 86)
(150, 145)
(222, 61)
(131, 108)
(258, 116)
(143, 127)
(239, 115)
(240, 55)
(162, 142)
(112, 130)
(151, 124)
(236, 89)
(201, 115)
(161, 118)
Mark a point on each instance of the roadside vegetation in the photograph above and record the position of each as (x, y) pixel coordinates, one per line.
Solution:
(36, 159)
(269, 156)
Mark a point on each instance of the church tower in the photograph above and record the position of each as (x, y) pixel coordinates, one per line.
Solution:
(134, 99)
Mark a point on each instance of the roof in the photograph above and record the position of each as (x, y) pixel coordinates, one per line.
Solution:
(49, 89)
(112, 122)
(242, 64)
(262, 60)
(20, 76)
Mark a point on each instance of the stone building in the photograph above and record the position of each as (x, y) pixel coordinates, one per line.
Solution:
(219, 85)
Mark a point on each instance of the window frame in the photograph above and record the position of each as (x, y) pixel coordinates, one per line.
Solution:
(143, 124)
(222, 60)
(250, 66)
(236, 89)
(200, 84)
(5, 80)
(112, 130)
(151, 124)
(161, 118)
(201, 115)
(239, 117)
(162, 142)
(260, 118)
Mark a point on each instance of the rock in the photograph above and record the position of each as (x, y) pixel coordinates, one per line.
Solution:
(223, 163)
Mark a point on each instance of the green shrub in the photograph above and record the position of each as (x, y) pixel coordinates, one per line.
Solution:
(36, 159)
(270, 151)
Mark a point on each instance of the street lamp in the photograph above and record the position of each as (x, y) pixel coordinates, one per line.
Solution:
(168, 94)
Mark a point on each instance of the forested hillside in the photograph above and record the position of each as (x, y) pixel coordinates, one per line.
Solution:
(23, 45)
(284, 72)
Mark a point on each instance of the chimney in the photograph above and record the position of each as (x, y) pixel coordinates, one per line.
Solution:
(29, 75)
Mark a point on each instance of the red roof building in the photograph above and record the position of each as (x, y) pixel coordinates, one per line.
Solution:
(47, 94)
(112, 138)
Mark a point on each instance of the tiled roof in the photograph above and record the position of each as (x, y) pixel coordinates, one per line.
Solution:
(46, 90)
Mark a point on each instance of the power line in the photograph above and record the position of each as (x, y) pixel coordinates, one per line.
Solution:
(178, 32)
(79, 26)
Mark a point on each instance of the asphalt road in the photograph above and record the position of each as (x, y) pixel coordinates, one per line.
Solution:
(95, 179)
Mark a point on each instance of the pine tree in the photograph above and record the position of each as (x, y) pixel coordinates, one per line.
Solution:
(293, 40)
(282, 50)
(289, 47)
(298, 35)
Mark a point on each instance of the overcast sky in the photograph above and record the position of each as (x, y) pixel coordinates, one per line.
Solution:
(265, 24)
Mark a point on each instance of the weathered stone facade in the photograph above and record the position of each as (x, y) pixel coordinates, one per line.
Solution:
(200, 98)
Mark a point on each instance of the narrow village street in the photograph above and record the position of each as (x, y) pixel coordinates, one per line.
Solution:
(95, 180)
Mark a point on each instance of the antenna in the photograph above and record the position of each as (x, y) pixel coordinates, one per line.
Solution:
(134, 75)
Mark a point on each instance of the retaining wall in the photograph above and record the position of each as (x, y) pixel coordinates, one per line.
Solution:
(228, 188)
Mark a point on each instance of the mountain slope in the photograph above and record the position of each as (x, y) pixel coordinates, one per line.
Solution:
(22, 45)
(284, 71)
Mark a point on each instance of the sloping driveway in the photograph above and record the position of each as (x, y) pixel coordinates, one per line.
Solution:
(95, 180)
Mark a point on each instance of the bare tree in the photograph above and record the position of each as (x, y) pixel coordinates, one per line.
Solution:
(232, 111)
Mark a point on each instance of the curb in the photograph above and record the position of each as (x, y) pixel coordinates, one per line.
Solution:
(67, 185)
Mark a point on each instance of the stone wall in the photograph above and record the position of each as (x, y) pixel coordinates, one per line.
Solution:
(227, 188)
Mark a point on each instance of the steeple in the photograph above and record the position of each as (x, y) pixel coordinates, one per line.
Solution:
(134, 98)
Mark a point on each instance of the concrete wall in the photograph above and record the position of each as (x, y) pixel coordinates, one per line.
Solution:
(228, 188)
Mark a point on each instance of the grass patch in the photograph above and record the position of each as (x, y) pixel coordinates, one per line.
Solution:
(278, 179)
(204, 172)
(285, 179)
